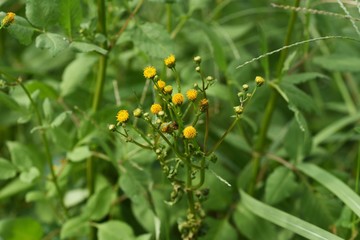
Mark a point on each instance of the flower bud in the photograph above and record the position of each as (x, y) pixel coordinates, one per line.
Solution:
(197, 69)
(238, 109)
(259, 81)
(209, 78)
(197, 59)
(245, 87)
(137, 112)
(112, 127)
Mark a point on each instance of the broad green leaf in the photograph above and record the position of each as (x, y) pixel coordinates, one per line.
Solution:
(285, 220)
(14, 187)
(34, 196)
(42, 13)
(217, 47)
(334, 185)
(53, 42)
(45, 90)
(146, 236)
(29, 175)
(75, 196)
(79, 153)
(99, 204)
(219, 229)
(21, 156)
(280, 185)
(87, 47)
(70, 15)
(115, 230)
(252, 226)
(6, 100)
(21, 30)
(20, 229)
(338, 63)
(76, 226)
(72, 77)
(195, 4)
(297, 141)
(7, 170)
(303, 77)
(154, 40)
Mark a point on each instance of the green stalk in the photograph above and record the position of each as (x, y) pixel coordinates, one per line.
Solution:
(189, 191)
(260, 144)
(47, 149)
(169, 17)
(354, 217)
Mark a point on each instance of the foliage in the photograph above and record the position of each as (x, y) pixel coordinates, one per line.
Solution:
(90, 149)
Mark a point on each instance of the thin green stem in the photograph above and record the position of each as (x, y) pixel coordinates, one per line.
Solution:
(179, 26)
(354, 217)
(47, 149)
(168, 17)
(189, 191)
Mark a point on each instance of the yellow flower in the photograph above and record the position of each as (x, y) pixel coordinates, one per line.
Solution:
(155, 108)
(170, 61)
(168, 89)
(191, 94)
(259, 81)
(8, 19)
(122, 116)
(189, 132)
(160, 84)
(149, 72)
(204, 103)
(178, 99)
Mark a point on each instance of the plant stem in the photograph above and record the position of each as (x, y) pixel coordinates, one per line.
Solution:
(261, 140)
(47, 149)
(169, 17)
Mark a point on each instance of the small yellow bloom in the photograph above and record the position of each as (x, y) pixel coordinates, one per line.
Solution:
(170, 61)
(149, 72)
(191, 94)
(178, 99)
(189, 132)
(8, 19)
(122, 116)
(160, 84)
(259, 81)
(204, 104)
(155, 108)
(168, 89)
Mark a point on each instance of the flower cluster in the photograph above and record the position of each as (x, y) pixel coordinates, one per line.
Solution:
(7, 20)
(176, 129)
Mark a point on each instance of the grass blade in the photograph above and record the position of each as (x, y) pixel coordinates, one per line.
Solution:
(285, 220)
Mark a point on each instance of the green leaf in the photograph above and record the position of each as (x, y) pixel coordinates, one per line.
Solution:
(42, 13)
(98, 206)
(115, 230)
(21, 156)
(252, 226)
(46, 91)
(75, 196)
(34, 196)
(70, 15)
(21, 30)
(280, 185)
(47, 109)
(20, 229)
(29, 175)
(146, 236)
(303, 77)
(285, 220)
(53, 42)
(14, 187)
(9, 102)
(79, 153)
(76, 226)
(219, 229)
(7, 170)
(59, 119)
(87, 47)
(216, 45)
(72, 77)
(335, 62)
(154, 40)
(196, 4)
(334, 185)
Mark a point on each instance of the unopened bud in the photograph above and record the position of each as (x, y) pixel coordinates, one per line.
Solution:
(245, 87)
(137, 112)
(197, 69)
(197, 59)
(259, 81)
(112, 127)
(209, 78)
(238, 109)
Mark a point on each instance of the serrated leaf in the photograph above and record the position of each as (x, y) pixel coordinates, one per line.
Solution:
(285, 220)
(87, 47)
(79, 153)
(72, 77)
(7, 170)
(154, 40)
(338, 63)
(70, 15)
(115, 230)
(21, 30)
(99, 204)
(42, 13)
(280, 185)
(53, 42)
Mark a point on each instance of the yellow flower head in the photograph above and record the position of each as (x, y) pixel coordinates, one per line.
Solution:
(259, 81)
(160, 84)
(122, 116)
(189, 132)
(191, 94)
(149, 72)
(170, 61)
(178, 99)
(155, 108)
(204, 104)
(8, 19)
(168, 89)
